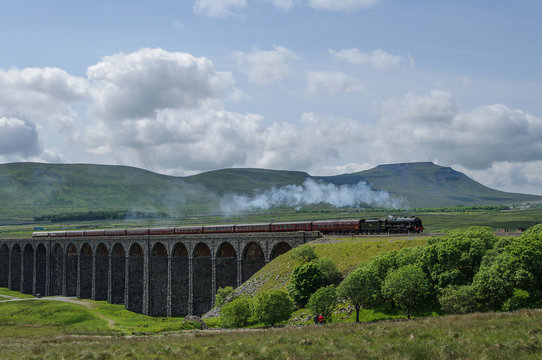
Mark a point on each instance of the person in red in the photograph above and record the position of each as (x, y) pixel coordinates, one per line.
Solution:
(321, 319)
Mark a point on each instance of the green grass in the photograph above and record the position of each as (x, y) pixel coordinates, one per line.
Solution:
(10, 293)
(476, 336)
(43, 317)
(18, 318)
(345, 252)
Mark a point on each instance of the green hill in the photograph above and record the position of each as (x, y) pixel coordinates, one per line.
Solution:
(33, 189)
(425, 184)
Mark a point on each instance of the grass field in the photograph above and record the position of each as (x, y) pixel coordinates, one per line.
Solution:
(477, 336)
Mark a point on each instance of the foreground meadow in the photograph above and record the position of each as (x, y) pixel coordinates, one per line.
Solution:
(516, 335)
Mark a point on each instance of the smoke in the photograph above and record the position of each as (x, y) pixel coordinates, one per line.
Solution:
(311, 192)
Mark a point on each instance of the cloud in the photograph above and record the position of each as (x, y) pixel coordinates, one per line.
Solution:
(18, 137)
(341, 5)
(219, 8)
(265, 66)
(330, 83)
(431, 127)
(377, 59)
(41, 94)
(138, 84)
(285, 5)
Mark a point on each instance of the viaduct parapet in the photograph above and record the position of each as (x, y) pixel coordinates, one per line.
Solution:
(158, 275)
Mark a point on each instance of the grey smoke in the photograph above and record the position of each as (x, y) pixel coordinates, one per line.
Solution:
(311, 192)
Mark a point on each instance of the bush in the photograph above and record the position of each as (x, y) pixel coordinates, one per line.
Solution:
(273, 306)
(458, 300)
(323, 301)
(306, 279)
(237, 312)
(303, 253)
(222, 294)
(518, 301)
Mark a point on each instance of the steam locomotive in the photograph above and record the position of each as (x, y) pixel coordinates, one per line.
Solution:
(388, 225)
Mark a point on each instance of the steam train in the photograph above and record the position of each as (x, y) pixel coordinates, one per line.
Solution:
(388, 225)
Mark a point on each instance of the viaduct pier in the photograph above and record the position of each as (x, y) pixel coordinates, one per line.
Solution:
(157, 275)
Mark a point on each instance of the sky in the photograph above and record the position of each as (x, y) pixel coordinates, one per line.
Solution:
(322, 86)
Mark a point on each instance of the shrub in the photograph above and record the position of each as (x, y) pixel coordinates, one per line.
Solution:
(273, 306)
(458, 299)
(237, 312)
(303, 253)
(222, 294)
(323, 301)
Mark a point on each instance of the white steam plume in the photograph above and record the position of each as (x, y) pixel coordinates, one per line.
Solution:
(311, 192)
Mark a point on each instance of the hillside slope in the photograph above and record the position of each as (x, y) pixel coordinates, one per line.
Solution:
(425, 184)
(33, 189)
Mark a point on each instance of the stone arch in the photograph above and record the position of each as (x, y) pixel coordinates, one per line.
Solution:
(118, 272)
(57, 269)
(28, 269)
(101, 272)
(15, 267)
(41, 269)
(4, 265)
(226, 266)
(202, 279)
(85, 272)
(158, 280)
(71, 270)
(135, 278)
(279, 249)
(253, 260)
(179, 280)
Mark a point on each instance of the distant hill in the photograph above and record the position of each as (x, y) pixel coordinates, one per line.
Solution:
(33, 189)
(425, 184)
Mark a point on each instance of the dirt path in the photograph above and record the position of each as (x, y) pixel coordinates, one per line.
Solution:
(72, 300)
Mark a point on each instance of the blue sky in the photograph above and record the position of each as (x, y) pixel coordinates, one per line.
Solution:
(323, 86)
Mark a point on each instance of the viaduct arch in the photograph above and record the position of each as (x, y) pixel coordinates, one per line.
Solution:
(157, 275)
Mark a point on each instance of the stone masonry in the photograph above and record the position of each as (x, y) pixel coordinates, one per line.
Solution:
(157, 275)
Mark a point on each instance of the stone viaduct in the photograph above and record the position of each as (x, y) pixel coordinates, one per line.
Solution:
(157, 275)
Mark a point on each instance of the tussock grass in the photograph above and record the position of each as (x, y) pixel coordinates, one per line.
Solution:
(477, 336)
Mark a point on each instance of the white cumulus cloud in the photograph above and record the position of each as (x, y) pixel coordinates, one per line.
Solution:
(378, 59)
(265, 66)
(330, 83)
(140, 83)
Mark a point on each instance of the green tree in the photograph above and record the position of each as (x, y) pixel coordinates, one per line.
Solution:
(455, 258)
(494, 282)
(323, 302)
(526, 251)
(237, 312)
(273, 306)
(303, 253)
(407, 286)
(222, 294)
(332, 276)
(306, 279)
(361, 287)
